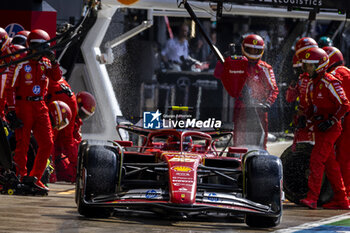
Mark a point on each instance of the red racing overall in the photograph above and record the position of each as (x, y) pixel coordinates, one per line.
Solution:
(64, 142)
(343, 156)
(259, 79)
(6, 76)
(299, 91)
(29, 86)
(327, 100)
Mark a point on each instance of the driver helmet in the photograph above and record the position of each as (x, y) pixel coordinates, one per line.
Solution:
(253, 47)
(60, 114)
(4, 39)
(335, 57)
(173, 143)
(187, 143)
(86, 104)
(318, 57)
(20, 38)
(324, 41)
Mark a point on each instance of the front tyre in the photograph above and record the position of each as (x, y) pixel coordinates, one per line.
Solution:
(263, 184)
(97, 175)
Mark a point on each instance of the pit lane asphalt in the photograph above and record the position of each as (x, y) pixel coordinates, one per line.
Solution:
(57, 212)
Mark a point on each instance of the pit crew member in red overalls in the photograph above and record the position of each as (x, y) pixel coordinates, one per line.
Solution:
(252, 82)
(327, 106)
(29, 86)
(6, 78)
(64, 143)
(60, 116)
(4, 50)
(298, 89)
(336, 67)
(66, 164)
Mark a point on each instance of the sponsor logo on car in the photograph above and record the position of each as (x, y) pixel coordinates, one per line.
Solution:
(213, 197)
(182, 174)
(182, 169)
(151, 194)
(183, 159)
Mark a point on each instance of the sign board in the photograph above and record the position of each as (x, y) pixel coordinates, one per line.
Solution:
(324, 5)
(13, 28)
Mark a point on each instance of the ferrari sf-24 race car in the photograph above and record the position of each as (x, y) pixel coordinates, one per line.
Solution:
(178, 172)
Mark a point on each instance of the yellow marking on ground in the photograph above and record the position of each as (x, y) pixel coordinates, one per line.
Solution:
(67, 192)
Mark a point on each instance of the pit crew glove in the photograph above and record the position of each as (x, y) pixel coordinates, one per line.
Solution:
(51, 56)
(325, 125)
(15, 123)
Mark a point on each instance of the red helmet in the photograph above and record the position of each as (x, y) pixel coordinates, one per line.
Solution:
(37, 36)
(296, 61)
(86, 104)
(304, 44)
(4, 39)
(297, 66)
(60, 114)
(20, 38)
(335, 56)
(16, 47)
(318, 57)
(253, 47)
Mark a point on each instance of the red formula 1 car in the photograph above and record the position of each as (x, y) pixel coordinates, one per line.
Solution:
(179, 172)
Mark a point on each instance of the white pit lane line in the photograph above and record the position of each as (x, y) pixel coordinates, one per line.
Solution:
(308, 226)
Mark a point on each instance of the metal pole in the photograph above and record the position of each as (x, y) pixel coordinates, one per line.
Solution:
(200, 27)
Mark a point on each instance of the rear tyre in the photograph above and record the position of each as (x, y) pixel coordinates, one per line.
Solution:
(296, 172)
(97, 175)
(263, 184)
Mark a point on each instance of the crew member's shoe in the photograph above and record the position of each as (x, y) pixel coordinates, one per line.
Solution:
(312, 204)
(337, 205)
(34, 186)
(41, 185)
